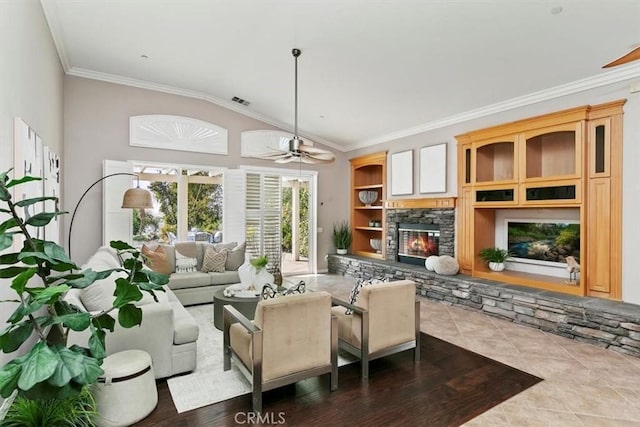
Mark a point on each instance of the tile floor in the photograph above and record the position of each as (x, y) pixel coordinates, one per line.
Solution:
(584, 385)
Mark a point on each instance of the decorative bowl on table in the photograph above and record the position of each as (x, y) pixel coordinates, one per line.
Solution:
(376, 244)
(368, 197)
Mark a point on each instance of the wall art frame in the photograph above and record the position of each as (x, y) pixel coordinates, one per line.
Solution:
(402, 173)
(433, 169)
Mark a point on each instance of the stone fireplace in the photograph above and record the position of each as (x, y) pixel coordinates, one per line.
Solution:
(413, 233)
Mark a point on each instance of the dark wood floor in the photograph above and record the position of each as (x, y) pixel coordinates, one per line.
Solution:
(447, 388)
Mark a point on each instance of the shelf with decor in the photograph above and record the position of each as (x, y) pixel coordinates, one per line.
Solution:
(368, 191)
(553, 169)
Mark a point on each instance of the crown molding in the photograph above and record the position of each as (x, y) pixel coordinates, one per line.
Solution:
(143, 84)
(610, 77)
(618, 75)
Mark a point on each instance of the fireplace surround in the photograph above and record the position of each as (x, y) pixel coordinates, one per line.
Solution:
(441, 219)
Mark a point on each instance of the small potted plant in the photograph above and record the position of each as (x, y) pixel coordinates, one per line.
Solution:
(260, 276)
(495, 257)
(341, 237)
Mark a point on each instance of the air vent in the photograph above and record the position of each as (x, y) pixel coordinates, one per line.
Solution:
(240, 101)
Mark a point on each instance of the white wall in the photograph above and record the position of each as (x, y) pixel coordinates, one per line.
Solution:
(631, 153)
(31, 80)
(97, 128)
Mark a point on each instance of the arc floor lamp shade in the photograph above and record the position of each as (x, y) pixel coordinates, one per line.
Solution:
(137, 198)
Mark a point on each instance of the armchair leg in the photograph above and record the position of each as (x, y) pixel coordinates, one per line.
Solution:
(416, 351)
(334, 353)
(257, 400)
(364, 361)
(364, 346)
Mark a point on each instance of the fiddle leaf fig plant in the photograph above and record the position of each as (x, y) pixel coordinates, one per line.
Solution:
(40, 274)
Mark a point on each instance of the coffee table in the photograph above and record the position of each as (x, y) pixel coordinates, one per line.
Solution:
(246, 306)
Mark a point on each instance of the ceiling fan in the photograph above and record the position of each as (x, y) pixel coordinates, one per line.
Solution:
(299, 151)
(633, 55)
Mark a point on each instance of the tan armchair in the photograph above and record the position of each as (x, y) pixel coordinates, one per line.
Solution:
(385, 320)
(292, 338)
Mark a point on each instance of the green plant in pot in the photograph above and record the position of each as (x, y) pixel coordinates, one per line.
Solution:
(260, 262)
(341, 237)
(40, 274)
(495, 257)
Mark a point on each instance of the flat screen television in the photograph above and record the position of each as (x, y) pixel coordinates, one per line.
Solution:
(543, 242)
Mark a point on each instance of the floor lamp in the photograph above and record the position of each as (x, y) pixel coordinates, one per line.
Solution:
(133, 198)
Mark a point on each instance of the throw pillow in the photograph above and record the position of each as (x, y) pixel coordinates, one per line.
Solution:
(188, 249)
(218, 247)
(98, 296)
(353, 296)
(235, 257)
(157, 260)
(185, 263)
(214, 261)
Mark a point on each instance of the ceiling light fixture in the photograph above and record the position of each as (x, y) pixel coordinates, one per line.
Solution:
(298, 150)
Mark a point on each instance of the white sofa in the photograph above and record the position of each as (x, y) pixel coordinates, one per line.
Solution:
(168, 332)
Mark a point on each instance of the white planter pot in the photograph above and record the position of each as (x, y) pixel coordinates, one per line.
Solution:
(496, 266)
(341, 251)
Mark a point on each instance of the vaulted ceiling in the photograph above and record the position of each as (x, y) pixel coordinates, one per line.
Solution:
(369, 71)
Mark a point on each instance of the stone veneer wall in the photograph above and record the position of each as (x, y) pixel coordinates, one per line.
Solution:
(444, 218)
(605, 323)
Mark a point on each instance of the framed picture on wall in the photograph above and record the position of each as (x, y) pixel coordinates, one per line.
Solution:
(27, 151)
(402, 173)
(433, 169)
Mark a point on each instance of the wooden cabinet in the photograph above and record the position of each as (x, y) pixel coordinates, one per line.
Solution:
(571, 160)
(368, 173)
(604, 202)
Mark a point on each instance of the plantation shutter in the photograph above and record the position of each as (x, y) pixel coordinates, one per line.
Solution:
(263, 215)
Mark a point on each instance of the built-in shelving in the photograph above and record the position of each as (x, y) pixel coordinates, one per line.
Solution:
(559, 160)
(368, 172)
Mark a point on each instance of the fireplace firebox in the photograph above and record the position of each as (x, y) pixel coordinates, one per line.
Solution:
(417, 242)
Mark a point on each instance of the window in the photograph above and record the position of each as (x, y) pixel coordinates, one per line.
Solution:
(188, 204)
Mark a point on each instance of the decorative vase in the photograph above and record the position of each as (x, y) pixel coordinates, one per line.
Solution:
(368, 197)
(496, 266)
(341, 251)
(277, 277)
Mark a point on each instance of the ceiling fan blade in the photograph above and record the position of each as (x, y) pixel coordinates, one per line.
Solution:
(317, 159)
(288, 159)
(629, 57)
(312, 150)
(272, 154)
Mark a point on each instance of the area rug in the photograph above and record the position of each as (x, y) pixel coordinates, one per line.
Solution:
(209, 383)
